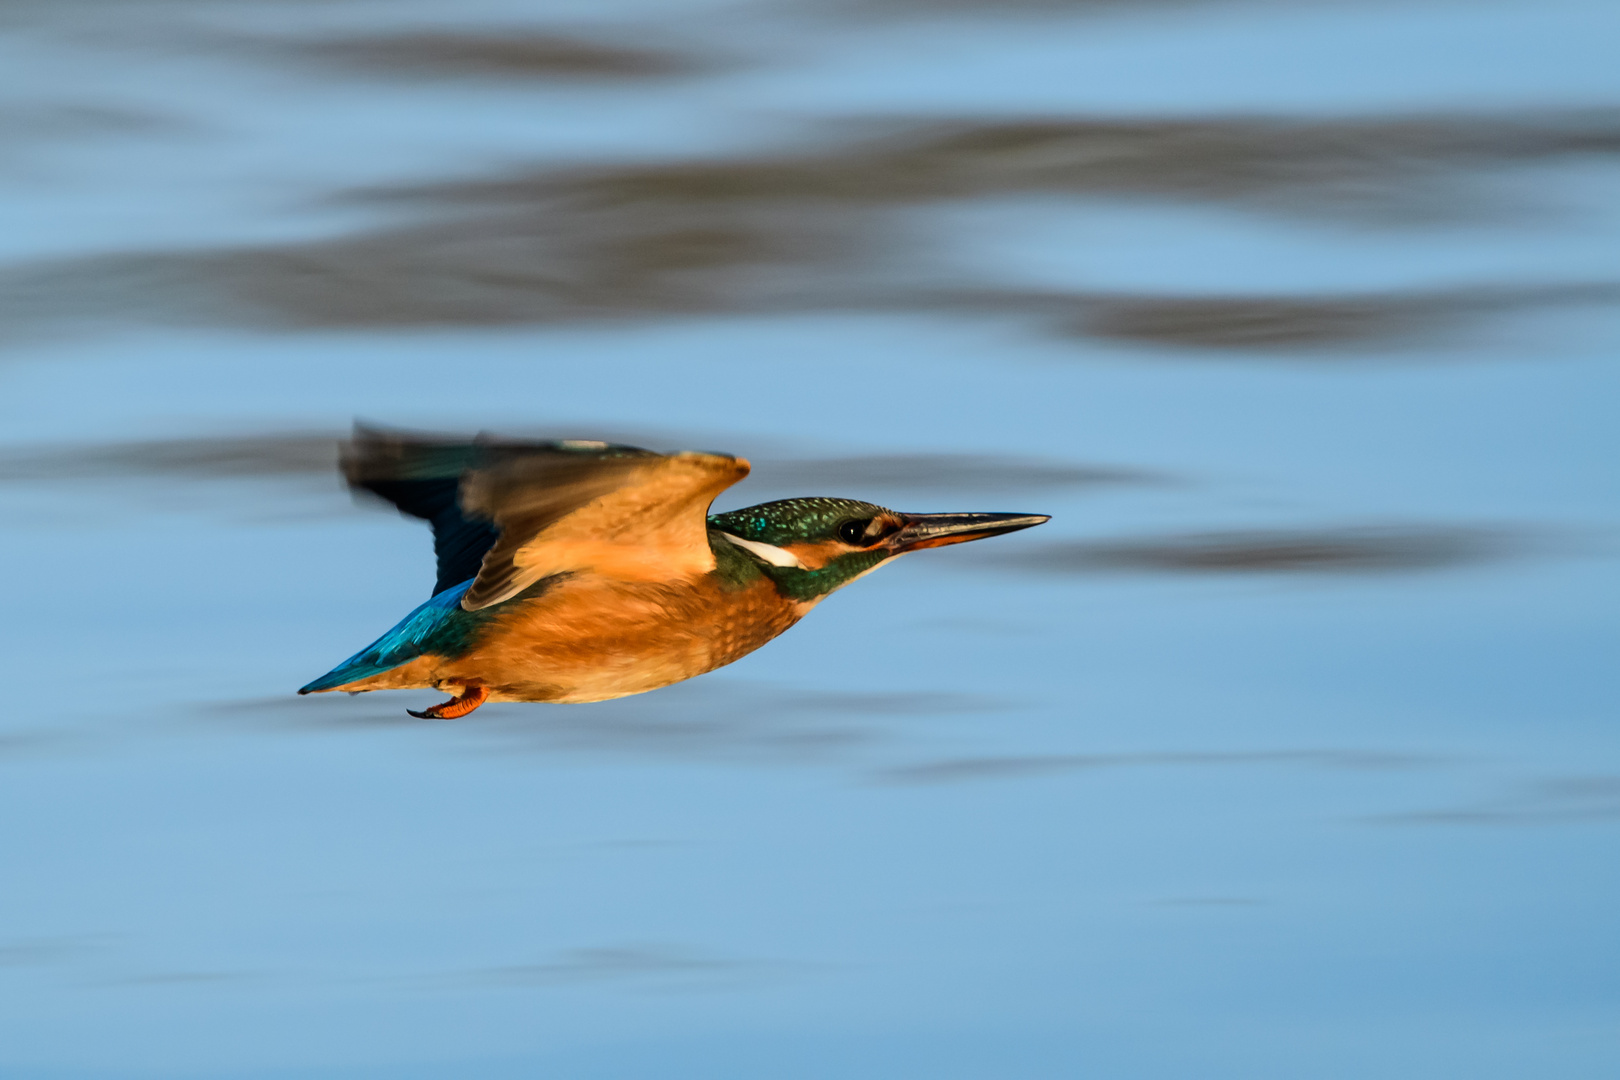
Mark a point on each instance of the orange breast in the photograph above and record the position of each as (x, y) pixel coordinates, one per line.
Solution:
(589, 638)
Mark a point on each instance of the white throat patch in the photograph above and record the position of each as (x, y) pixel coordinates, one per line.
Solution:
(769, 552)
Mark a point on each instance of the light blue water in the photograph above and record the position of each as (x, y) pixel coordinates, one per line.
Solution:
(1288, 748)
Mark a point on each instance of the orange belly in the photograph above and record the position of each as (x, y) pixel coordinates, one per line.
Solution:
(591, 639)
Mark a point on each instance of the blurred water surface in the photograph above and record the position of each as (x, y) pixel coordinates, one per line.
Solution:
(1287, 749)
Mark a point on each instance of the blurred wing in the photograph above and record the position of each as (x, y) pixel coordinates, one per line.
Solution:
(421, 476)
(639, 517)
(511, 513)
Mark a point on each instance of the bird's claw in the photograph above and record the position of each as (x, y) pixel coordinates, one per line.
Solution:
(457, 707)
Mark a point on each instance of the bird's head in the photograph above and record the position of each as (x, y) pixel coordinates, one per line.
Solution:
(809, 547)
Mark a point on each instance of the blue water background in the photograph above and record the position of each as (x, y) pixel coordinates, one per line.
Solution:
(1289, 748)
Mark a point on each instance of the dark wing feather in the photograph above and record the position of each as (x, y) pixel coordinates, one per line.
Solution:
(423, 476)
(459, 544)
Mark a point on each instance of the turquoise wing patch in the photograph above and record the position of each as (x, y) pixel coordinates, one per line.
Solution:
(427, 629)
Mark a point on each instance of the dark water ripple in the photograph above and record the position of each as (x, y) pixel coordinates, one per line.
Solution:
(1290, 325)
(1014, 767)
(1562, 800)
(314, 454)
(515, 54)
(1359, 549)
(831, 227)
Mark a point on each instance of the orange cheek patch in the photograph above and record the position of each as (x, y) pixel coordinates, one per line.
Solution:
(815, 556)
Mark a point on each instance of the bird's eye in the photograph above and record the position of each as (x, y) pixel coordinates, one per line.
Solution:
(853, 533)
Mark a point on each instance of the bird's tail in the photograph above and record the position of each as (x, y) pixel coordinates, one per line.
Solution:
(427, 629)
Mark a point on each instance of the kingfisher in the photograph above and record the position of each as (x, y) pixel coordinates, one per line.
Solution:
(577, 571)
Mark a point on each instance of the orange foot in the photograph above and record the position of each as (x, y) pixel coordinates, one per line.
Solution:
(456, 707)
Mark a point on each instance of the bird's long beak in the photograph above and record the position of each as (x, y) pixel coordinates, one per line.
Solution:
(936, 530)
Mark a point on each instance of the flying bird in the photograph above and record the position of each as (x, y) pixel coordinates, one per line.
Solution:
(581, 571)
